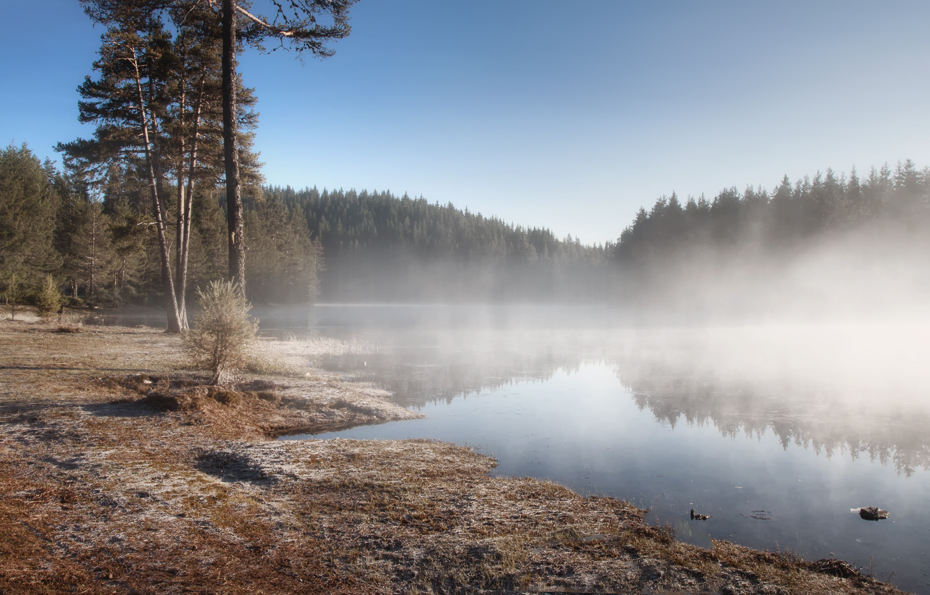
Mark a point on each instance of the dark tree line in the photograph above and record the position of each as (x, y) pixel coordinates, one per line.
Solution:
(380, 247)
(755, 250)
(99, 237)
(740, 252)
(101, 243)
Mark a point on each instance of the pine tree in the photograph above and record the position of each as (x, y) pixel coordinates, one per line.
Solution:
(156, 105)
(28, 207)
(90, 257)
(48, 298)
(296, 25)
(131, 242)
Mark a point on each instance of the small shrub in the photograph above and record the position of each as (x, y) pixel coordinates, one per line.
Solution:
(224, 331)
(49, 299)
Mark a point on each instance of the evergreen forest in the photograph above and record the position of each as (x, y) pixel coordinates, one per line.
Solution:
(100, 242)
(830, 245)
(827, 242)
(379, 247)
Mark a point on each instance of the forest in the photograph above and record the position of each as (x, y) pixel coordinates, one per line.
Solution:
(828, 246)
(377, 247)
(826, 242)
(105, 251)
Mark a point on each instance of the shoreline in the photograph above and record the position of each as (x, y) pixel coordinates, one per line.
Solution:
(120, 472)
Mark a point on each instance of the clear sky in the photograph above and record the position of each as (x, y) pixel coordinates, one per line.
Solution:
(566, 115)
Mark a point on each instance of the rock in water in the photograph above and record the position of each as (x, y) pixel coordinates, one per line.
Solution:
(873, 513)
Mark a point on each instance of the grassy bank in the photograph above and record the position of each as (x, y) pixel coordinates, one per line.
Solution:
(121, 473)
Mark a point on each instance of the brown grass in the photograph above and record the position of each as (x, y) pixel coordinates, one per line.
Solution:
(122, 473)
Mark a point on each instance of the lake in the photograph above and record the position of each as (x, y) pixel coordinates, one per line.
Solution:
(777, 432)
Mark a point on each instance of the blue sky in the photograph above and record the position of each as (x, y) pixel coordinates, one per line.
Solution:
(550, 114)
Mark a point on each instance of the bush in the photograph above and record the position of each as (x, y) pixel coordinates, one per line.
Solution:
(223, 333)
(49, 299)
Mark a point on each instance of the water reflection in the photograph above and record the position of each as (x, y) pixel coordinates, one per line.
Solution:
(798, 416)
(583, 428)
(809, 393)
(440, 371)
(839, 391)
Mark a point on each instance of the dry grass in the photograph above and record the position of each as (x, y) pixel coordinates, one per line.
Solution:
(121, 473)
(293, 356)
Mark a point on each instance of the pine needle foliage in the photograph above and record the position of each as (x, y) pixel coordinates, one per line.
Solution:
(224, 331)
(49, 298)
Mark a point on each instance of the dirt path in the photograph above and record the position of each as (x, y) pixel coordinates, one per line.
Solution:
(121, 473)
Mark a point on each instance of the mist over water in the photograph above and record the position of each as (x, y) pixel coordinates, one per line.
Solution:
(777, 431)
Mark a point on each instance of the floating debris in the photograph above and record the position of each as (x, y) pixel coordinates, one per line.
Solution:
(699, 517)
(871, 513)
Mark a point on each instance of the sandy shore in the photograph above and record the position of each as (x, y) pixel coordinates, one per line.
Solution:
(121, 473)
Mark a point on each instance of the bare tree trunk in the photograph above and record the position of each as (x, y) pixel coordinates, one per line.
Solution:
(231, 148)
(184, 216)
(174, 323)
(180, 285)
(93, 250)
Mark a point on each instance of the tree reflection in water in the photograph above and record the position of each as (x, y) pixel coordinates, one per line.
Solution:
(839, 391)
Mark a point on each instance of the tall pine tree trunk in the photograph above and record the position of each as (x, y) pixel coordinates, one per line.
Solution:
(192, 172)
(231, 148)
(151, 156)
(93, 251)
(180, 285)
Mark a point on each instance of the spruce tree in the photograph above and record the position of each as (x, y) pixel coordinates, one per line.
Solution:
(28, 207)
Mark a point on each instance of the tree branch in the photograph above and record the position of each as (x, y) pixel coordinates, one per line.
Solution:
(272, 28)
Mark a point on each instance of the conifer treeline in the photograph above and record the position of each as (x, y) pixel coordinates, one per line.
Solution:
(100, 242)
(380, 247)
(738, 251)
(756, 250)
